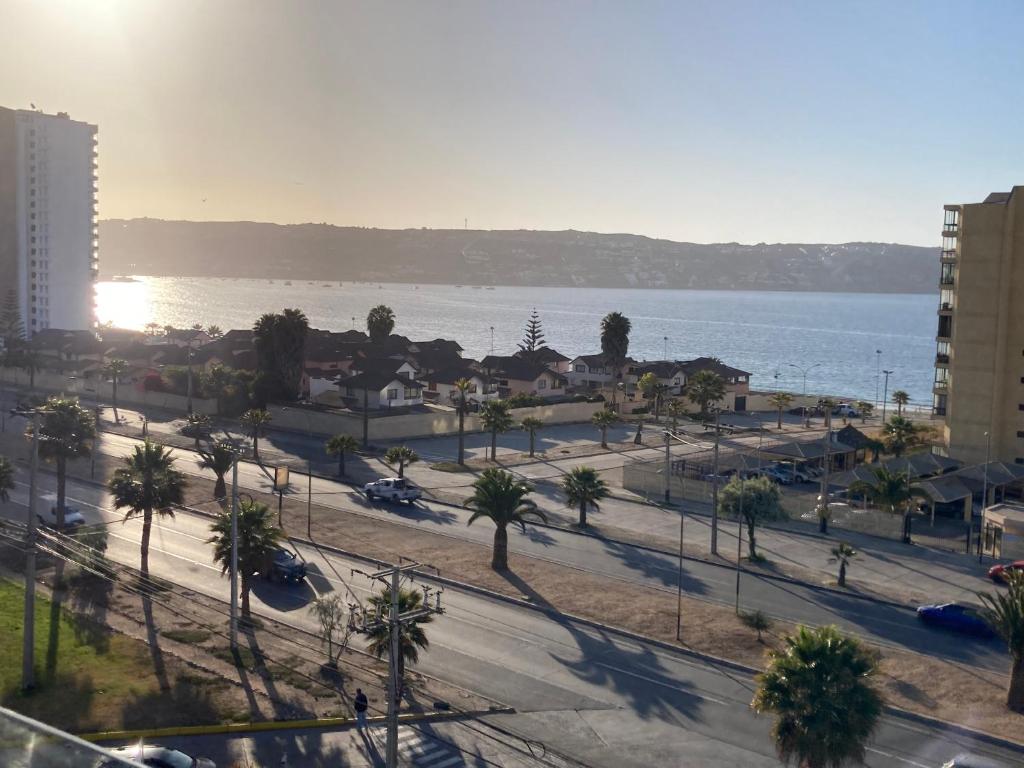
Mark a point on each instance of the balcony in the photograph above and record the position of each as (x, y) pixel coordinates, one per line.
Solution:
(948, 255)
(945, 280)
(940, 386)
(941, 359)
(946, 307)
(937, 411)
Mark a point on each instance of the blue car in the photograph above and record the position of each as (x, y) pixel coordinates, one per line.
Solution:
(957, 617)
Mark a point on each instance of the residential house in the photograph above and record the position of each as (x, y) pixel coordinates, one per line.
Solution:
(593, 372)
(737, 382)
(668, 372)
(552, 358)
(441, 386)
(513, 375)
(381, 390)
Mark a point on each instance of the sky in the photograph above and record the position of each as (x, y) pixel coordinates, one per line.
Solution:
(697, 121)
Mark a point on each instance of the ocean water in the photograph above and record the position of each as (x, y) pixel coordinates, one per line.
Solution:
(774, 335)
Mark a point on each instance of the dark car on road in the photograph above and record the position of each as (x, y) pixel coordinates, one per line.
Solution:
(958, 617)
(285, 566)
(998, 572)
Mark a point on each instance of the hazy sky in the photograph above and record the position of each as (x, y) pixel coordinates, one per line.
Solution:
(710, 121)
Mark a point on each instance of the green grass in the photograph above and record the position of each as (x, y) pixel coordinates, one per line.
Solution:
(188, 636)
(89, 678)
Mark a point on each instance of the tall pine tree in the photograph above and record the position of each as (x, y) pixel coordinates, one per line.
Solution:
(534, 336)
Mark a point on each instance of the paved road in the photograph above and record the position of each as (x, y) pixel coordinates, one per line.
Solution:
(706, 581)
(601, 698)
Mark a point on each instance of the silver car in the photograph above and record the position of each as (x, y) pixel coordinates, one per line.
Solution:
(155, 756)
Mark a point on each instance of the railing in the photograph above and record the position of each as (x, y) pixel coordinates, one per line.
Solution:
(939, 411)
(942, 359)
(946, 280)
(946, 306)
(940, 385)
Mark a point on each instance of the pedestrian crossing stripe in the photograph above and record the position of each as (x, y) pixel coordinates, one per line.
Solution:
(422, 751)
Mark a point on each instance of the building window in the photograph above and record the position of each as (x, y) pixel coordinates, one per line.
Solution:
(951, 220)
(581, 369)
(945, 327)
(411, 393)
(1020, 434)
(393, 394)
(542, 383)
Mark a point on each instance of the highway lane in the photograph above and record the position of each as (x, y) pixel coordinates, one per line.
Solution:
(880, 623)
(601, 698)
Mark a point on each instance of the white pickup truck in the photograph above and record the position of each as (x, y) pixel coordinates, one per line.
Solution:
(47, 513)
(392, 489)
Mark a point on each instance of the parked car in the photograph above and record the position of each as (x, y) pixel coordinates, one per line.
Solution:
(835, 508)
(957, 617)
(156, 756)
(776, 474)
(796, 474)
(285, 566)
(998, 572)
(846, 410)
(393, 489)
(47, 516)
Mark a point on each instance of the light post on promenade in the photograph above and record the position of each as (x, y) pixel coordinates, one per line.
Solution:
(804, 372)
(885, 395)
(878, 372)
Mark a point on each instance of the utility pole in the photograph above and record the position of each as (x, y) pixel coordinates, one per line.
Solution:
(395, 621)
(189, 385)
(309, 499)
(366, 418)
(885, 395)
(234, 554)
(714, 492)
(28, 662)
(679, 576)
(878, 371)
(668, 468)
(739, 543)
(823, 507)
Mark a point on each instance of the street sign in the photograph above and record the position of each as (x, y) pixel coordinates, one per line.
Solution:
(280, 478)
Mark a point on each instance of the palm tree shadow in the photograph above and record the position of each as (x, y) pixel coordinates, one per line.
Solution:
(527, 591)
(153, 641)
(656, 566)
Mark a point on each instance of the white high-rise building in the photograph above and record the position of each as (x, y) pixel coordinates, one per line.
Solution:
(48, 231)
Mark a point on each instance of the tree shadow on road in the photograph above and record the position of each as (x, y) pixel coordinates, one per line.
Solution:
(653, 565)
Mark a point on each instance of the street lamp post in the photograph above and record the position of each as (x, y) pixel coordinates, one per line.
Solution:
(984, 493)
(878, 371)
(492, 339)
(885, 394)
(804, 372)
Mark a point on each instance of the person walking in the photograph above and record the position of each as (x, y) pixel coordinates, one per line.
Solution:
(361, 705)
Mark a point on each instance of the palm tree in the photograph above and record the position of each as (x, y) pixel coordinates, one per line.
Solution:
(219, 458)
(676, 410)
(147, 483)
(842, 553)
(705, 388)
(615, 329)
(463, 386)
(602, 420)
(1005, 614)
(66, 431)
(495, 416)
(820, 688)
(412, 638)
(258, 538)
(115, 369)
(781, 401)
(197, 426)
(499, 496)
(899, 435)
(280, 343)
(531, 425)
(583, 488)
(255, 419)
(338, 446)
(864, 408)
(6, 479)
(648, 386)
(214, 332)
(380, 322)
(901, 398)
(402, 455)
(892, 492)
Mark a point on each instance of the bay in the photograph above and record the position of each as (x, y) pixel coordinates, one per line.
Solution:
(774, 335)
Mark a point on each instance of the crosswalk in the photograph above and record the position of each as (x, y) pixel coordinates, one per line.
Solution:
(416, 749)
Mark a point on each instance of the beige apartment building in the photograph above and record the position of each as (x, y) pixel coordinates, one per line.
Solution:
(979, 360)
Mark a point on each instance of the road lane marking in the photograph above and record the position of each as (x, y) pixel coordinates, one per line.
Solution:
(891, 756)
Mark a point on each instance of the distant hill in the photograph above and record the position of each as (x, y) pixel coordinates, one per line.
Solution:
(504, 257)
